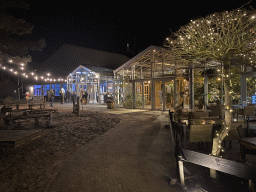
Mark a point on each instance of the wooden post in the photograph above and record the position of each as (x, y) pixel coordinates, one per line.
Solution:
(74, 104)
(44, 102)
(36, 121)
(50, 119)
(181, 171)
(78, 106)
(251, 186)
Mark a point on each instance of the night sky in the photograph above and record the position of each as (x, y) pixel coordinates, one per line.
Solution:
(109, 26)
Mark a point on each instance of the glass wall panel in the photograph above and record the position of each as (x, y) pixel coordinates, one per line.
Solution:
(37, 90)
(169, 94)
(127, 95)
(198, 89)
(158, 94)
(57, 89)
(147, 94)
(45, 89)
(183, 91)
(157, 68)
(138, 95)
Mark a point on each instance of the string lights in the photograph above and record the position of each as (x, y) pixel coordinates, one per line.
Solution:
(31, 75)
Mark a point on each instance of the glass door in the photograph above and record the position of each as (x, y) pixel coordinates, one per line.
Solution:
(169, 94)
(147, 94)
(158, 95)
(139, 95)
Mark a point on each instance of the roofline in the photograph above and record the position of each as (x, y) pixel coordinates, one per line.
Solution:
(80, 66)
(152, 47)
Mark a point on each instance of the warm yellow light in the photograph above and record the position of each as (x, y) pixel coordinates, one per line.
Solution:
(10, 61)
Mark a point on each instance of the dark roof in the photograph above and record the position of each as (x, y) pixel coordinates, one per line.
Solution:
(69, 57)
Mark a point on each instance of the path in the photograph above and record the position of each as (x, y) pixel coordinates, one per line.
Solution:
(134, 156)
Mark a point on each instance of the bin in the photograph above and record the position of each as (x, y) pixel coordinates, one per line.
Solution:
(83, 101)
(110, 104)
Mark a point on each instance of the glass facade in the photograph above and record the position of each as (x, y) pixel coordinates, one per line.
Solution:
(41, 90)
(157, 79)
(147, 80)
(97, 81)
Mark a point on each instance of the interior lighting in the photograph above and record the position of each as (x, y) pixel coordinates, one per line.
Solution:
(10, 61)
(22, 64)
(48, 74)
(32, 73)
(22, 68)
(4, 67)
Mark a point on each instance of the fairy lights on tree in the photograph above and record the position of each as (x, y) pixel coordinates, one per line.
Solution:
(220, 37)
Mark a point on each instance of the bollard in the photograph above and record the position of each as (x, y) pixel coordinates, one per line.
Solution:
(50, 119)
(78, 106)
(74, 104)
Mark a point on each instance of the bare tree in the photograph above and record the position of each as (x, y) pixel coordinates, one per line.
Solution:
(221, 37)
(12, 45)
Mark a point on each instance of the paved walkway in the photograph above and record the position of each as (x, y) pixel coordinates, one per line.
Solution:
(134, 156)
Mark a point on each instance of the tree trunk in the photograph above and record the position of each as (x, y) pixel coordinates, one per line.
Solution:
(217, 140)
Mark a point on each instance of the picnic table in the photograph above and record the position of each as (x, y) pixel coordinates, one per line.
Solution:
(13, 138)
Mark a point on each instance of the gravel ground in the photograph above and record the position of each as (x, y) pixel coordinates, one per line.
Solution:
(31, 167)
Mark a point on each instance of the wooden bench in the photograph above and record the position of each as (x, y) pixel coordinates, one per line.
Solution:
(36, 117)
(13, 138)
(11, 103)
(41, 101)
(237, 169)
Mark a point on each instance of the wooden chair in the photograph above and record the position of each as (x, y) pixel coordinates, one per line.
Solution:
(233, 134)
(200, 133)
(239, 112)
(249, 111)
(244, 150)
